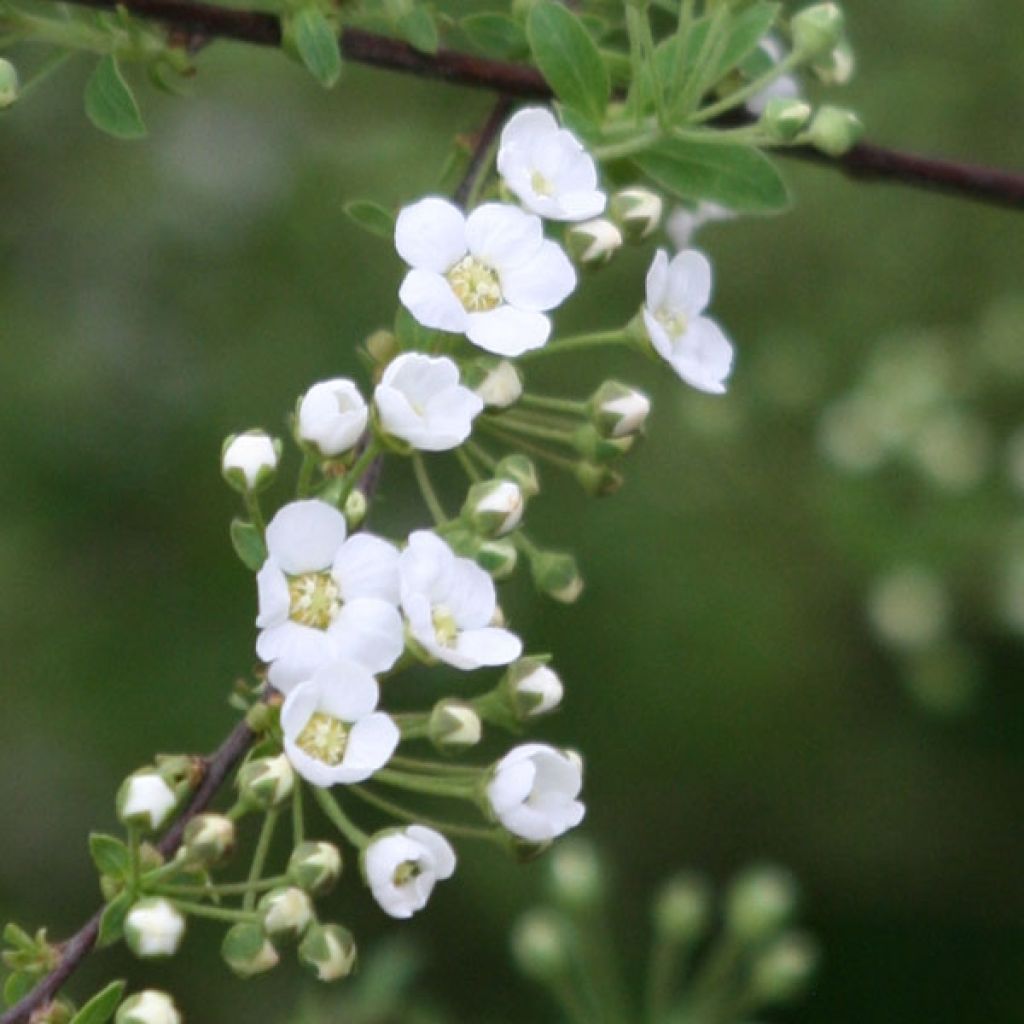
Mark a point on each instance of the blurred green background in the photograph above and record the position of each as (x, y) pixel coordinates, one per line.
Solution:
(732, 697)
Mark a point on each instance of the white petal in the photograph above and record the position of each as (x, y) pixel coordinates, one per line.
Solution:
(371, 743)
(704, 356)
(274, 599)
(689, 282)
(304, 536)
(527, 125)
(431, 235)
(299, 706)
(369, 631)
(367, 566)
(657, 281)
(471, 596)
(345, 690)
(507, 331)
(295, 653)
(427, 566)
(659, 336)
(333, 415)
(511, 785)
(488, 646)
(502, 236)
(439, 848)
(430, 299)
(541, 283)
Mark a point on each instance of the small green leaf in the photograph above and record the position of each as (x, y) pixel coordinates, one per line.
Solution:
(496, 35)
(317, 45)
(736, 176)
(101, 1007)
(17, 986)
(248, 544)
(568, 58)
(418, 28)
(17, 937)
(112, 920)
(371, 217)
(745, 32)
(109, 102)
(110, 855)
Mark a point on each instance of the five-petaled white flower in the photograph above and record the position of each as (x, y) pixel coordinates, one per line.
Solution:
(322, 596)
(548, 169)
(491, 276)
(450, 603)
(533, 792)
(402, 868)
(694, 345)
(333, 732)
(420, 401)
(333, 416)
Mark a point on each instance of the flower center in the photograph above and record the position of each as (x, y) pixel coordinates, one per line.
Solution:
(406, 872)
(315, 599)
(675, 323)
(475, 285)
(541, 185)
(324, 738)
(445, 627)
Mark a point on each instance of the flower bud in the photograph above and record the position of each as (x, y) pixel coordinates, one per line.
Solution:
(247, 951)
(780, 972)
(594, 242)
(637, 211)
(682, 908)
(494, 507)
(617, 410)
(783, 118)
(148, 1007)
(8, 84)
(759, 902)
(287, 912)
(835, 130)
(556, 574)
(589, 442)
(816, 29)
(533, 687)
(154, 927)
(315, 867)
(598, 481)
(249, 461)
(355, 509)
(454, 725)
(332, 417)
(576, 875)
(209, 840)
(496, 381)
(329, 951)
(540, 945)
(521, 471)
(382, 347)
(498, 557)
(266, 782)
(146, 801)
(837, 67)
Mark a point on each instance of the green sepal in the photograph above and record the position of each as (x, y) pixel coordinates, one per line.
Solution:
(102, 1006)
(248, 544)
(111, 856)
(112, 919)
(110, 103)
(372, 217)
(16, 937)
(316, 43)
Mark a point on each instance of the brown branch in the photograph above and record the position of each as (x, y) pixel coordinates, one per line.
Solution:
(481, 149)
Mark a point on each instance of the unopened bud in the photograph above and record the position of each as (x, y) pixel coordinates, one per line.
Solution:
(556, 574)
(146, 801)
(8, 84)
(332, 416)
(637, 211)
(209, 840)
(597, 480)
(780, 972)
(837, 67)
(329, 951)
(454, 725)
(498, 557)
(266, 782)
(520, 470)
(576, 875)
(355, 509)
(540, 945)
(154, 928)
(249, 461)
(382, 347)
(594, 242)
(496, 381)
(149, 1007)
(759, 903)
(287, 912)
(682, 908)
(617, 410)
(532, 687)
(315, 867)
(783, 119)
(816, 29)
(835, 130)
(494, 507)
(592, 444)
(247, 951)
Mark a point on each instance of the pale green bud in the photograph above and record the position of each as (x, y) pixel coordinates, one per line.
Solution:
(382, 347)
(617, 410)
(682, 908)
(247, 951)
(594, 242)
(355, 509)
(576, 875)
(816, 29)
(329, 951)
(540, 945)
(154, 928)
(249, 461)
(496, 381)
(556, 574)
(532, 687)
(498, 557)
(837, 67)
(8, 84)
(760, 902)
(266, 782)
(835, 130)
(494, 507)
(520, 470)
(780, 972)
(148, 1007)
(637, 211)
(597, 480)
(209, 840)
(287, 912)
(784, 119)
(315, 867)
(454, 725)
(146, 801)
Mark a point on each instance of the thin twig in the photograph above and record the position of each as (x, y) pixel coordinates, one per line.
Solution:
(481, 150)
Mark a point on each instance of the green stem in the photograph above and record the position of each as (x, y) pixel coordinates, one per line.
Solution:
(616, 151)
(570, 406)
(222, 889)
(542, 433)
(306, 472)
(420, 765)
(216, 913)
(734, 99)
(358, 470)
(452, 788)
(341, 821)
(474, 449)
(579, 341)
(573, 1005)
(430, 498)
(447, 827)
(252, 506)
(259, 857)
(516, 441)
(470, 469)
(49, 67)
(298, 815)
(666, 965)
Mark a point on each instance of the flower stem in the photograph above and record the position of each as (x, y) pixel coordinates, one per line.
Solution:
(474, 449)
(516, 441)
(543, 433)
(358, 470)
(298, 815)
(309, 465)
(734, 99)
(466, 463)
(447, 827)
(216, 913)
(436, 767)
(341, 821)
(259, 857)
(430, 498)
(453, 788)
(252, 506)
(569, 406)
(222, 889)
(578, 341)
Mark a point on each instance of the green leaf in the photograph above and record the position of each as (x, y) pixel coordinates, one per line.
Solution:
(17, 986)
(496, 35)
(17, 937)
(109, 103)
(112, 920)
(736, 176)
(101, 1007)
(568, 58)
(248, 544)
(418, 28)
(110, 855)
(317, 45)
(746, 31)
(371, 217)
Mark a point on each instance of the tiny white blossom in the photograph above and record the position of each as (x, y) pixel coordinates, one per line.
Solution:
(533, 792)
(333, 416)
(252, 455)
(402, 868)
(546, 166)
(491, 276)
(324, 595)
(148, 1007)
(692, 344)
(154, 927)
(420, 401)
(147, 799)
(333, 733)
(450, 603)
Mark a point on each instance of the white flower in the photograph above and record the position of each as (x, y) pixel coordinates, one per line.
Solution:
(547, 168)
(785, 87)
(332, 731)
(684, 222)
(250, 457)
(154, 927)
(147, 799)
(694, 345)
(420, 401)
(148, 1007)
(450, 603)
(333, 416)
(402, 868)
(491, 276)
(323, 596)
(533, 792)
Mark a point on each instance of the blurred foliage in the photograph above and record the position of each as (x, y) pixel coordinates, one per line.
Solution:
(725, 680)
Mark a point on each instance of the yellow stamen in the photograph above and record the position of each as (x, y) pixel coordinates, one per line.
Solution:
(475, 285)
(324, 738)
